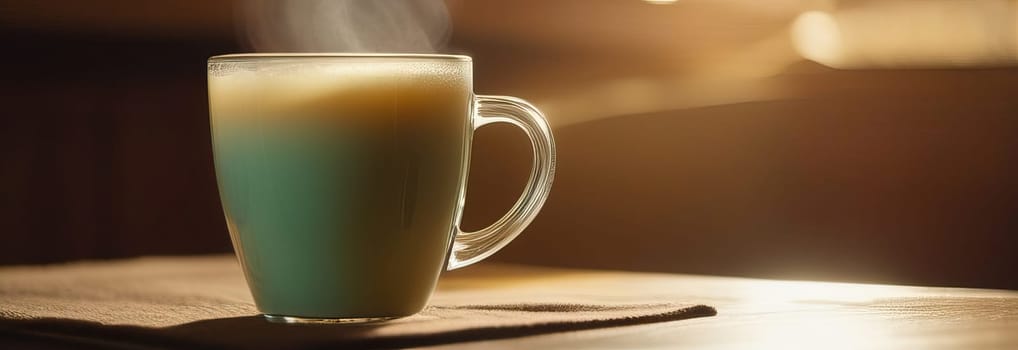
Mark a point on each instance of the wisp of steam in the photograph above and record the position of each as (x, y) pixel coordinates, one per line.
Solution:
(399, 26)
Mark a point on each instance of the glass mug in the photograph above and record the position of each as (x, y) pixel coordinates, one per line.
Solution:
(342, 177)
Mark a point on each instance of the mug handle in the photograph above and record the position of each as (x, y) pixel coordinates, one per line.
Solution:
(471, 247)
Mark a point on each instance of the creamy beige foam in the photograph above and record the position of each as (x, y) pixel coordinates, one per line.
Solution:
(262, 88)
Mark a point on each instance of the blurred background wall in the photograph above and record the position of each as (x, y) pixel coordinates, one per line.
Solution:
(867, 141)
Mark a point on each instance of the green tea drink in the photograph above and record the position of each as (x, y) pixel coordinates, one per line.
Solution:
(340, 181)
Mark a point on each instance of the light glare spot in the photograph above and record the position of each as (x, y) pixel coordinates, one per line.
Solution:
(817, 38)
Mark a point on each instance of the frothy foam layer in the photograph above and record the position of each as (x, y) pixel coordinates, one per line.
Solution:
(249, 88)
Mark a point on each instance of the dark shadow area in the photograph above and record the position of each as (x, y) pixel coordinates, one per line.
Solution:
(105, 148)
(914, 192)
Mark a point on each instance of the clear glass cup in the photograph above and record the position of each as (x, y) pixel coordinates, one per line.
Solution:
(342, 177)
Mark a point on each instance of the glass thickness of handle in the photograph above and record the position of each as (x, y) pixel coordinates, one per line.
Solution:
(471, 247)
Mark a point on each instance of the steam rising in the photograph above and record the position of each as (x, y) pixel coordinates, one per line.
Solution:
(400, 26)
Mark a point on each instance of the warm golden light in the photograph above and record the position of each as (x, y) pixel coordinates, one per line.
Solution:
(813, 330)
(660, 2)
(816, 37)
(933, 33)
(778, 292)
(807, 309)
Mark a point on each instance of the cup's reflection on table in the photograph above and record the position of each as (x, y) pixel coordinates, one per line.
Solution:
(342, 177)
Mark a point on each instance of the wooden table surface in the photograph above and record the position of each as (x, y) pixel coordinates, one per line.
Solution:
(774, 314)
(751, 313)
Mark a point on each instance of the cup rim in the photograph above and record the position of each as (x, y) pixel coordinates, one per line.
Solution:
(333, 55)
